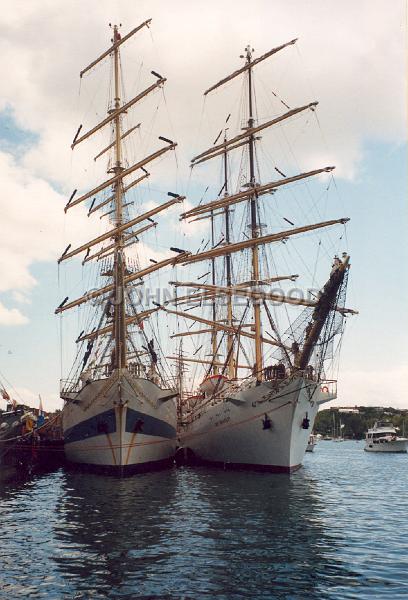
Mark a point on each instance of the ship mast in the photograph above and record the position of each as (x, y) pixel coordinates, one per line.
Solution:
(214, 341)
(119, 284)
(230, 336)
(122, 233)
(254, 221)
(222, 205)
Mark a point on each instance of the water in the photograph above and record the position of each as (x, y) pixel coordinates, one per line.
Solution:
(335, 529)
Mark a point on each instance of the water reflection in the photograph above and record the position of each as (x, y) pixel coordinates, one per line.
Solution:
(261, 536)
(210, 534)
(111, 533)
(187, 533)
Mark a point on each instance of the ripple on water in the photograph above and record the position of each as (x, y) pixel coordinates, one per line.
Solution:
(335, 529)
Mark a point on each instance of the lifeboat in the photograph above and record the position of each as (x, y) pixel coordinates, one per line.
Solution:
(213, 383)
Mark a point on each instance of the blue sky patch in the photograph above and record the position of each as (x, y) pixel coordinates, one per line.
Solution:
(13, 137)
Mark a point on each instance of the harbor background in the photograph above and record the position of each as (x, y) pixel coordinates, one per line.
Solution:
(335, 529)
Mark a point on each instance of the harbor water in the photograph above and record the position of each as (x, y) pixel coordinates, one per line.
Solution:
(337, 528)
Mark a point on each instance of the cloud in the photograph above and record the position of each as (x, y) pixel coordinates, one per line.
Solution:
(21, 298)
(13, 316)
(359, 83)
(33, 226)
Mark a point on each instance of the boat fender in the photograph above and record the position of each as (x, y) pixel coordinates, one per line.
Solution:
(266, 422)
(306, 422)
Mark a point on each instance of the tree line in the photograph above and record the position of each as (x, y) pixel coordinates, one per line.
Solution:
(356, 424)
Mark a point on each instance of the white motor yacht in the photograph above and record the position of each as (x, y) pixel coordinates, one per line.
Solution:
(383, 437)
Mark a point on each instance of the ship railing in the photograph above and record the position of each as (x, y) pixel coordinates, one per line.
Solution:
(70, 386)
(328, 389)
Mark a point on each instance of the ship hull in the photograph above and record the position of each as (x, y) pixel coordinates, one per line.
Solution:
(263, 427)
(120, 425)
(397, 446)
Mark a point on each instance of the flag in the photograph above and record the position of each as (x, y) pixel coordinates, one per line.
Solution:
(5, 394)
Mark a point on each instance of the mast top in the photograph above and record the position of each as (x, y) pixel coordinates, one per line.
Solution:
(250, 63)
(248, 51)
(116, 41)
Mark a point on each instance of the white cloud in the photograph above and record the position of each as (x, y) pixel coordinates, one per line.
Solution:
(32, 227)
(21, 298)
(350, 57)
(13, 316)
(143, 252)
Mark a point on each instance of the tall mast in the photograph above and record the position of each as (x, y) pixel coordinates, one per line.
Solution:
(214, 311)
(180, 382)
(230, 336)
(119, 316)
(254, 222)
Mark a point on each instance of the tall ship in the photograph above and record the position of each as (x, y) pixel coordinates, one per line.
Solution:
(119, 410)
(257, 383)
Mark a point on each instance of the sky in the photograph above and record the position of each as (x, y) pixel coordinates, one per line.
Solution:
(350, 56)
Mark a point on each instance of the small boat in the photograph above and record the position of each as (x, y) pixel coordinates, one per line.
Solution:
(311, 443)
(30, 439)
(383, 437)
(10, 430)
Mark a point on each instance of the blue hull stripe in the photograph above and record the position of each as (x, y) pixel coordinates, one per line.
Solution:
(106, 423)
(148, 425)
(98, 425)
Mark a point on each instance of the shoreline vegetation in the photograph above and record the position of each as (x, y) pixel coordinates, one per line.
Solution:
(358, 419)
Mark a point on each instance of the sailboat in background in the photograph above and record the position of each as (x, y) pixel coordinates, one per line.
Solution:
(120, 410)
(337, 429)
(261, 387)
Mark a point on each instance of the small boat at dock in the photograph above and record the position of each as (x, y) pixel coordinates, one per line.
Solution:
(311, 443)
(30, 440)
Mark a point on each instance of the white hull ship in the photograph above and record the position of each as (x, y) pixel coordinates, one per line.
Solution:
(383, 437)
(121, 424)
(265, 427)
(120, 406)
(261, 421)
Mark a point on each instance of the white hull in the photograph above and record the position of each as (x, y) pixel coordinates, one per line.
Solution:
(121, 424)
(387, 446)
(232, 432)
